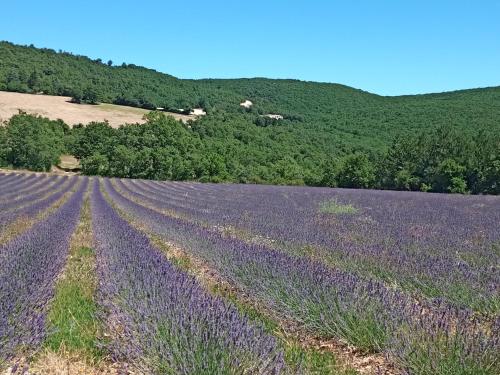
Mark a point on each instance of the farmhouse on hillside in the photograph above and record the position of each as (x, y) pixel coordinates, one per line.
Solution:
(246, 104)
(198, 112)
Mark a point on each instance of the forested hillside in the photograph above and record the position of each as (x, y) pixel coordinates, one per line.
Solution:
(330, 134)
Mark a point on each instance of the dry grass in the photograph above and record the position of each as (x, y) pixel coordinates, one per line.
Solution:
(60, 107)
(69, 162)
(65, 363)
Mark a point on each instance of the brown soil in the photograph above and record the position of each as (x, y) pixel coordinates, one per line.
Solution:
(60, 107)
(69, 163)
(51, 363)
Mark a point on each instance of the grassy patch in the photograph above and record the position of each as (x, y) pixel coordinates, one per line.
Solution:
(334, 207)
(183, 262)
(298, 358)
(72, 320)
(313, 361)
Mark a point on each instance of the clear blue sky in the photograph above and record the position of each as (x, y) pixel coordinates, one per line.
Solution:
(389, 47)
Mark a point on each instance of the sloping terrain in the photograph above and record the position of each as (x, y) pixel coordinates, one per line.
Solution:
(319, 133)
(60, 107)
(337, 118)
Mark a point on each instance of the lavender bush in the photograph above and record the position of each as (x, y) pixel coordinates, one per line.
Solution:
(29, 265)
(335, 303)
(34, 193)
(443, 246)
(26, 186)
(5, 178)
(13, 183)
(37, 202)
(164, 321)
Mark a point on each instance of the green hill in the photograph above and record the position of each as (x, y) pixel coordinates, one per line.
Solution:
(321, 124)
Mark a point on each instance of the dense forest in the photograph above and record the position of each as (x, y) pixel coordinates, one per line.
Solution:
(440, 160)
(330, 135)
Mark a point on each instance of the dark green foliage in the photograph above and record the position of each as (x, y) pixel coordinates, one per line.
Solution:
(94, 138)
(34, 143)
(96, 165)
(89, 95)
(356, 171)
(443, 160)
(163, 148)
(3, 147)
(331, 119)
(330, 135)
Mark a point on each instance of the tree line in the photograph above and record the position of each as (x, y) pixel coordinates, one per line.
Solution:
(439, 160)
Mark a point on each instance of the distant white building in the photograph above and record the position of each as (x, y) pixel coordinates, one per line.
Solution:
(246, 104)
(275, 117)
(198, 112)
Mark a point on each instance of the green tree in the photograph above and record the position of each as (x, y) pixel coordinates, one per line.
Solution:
(449, 177)
(214, 165)
(288, 171)
(490, 178)
(96, 137)
(34, 143)
(90, 95)
(399, 168)
(122, 162)
(330, 171)
(163, 163)
(77, 95)
(34, 81)
(356, 171)
(13, 82)
(4, 150)
(95, 165)
(405, 180)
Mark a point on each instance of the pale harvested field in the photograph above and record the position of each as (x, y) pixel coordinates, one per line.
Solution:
(60, 107)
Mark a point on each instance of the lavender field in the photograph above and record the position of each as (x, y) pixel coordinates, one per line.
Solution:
(191, 278)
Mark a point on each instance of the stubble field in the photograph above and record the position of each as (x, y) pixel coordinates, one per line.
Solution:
(60, 107)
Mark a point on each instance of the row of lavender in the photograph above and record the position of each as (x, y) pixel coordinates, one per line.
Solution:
(23, 190)
(31, 193)
(12, 184)
(29, 265)
(348, 319)
(425, 337)
(39, 198)
(168, 323)
(440, 245)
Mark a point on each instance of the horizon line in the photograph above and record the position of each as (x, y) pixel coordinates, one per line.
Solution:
(61, 51)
